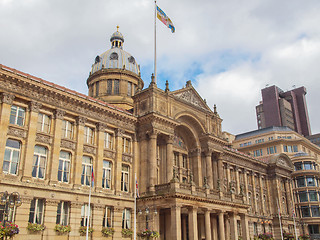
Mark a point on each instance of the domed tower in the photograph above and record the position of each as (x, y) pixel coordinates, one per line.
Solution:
(115, 75)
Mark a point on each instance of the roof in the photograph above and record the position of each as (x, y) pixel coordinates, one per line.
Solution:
(263, 130)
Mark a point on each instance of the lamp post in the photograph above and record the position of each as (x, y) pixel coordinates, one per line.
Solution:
(10, 201)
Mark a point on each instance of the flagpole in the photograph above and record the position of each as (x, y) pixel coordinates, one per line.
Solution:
(135, 209)
(294, 214)
(88, 217)
(279, 218)
(155, 41)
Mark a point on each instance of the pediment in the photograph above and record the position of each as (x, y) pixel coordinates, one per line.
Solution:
(191, 96)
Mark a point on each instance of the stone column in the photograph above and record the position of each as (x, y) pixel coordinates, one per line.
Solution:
(97, 216)
(50, 215)
(245, 178)
(98, 164)
(152, 145)
(169, 166)
(22, 215)
(184, 228)
(221, 226)
(227, 227)
(228, 175)
(176, 222)
(254, 199)
(288, 198)
(215, 172)
(237, 180)
(207, 224)
(197, 169)
(245, 227)
(117, 222)
(193, 223)
(209, 169)
(53, 166)
(5, 110)
(34, 108)
(261, 196)
(77, 163)
(118, 160)
(233, 226)
(214, 229)
(220, 171)
(75, 219)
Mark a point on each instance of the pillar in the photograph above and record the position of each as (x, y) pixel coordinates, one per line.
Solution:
(288, 198)
(227, 227)
(221, 226)
(75, 219)
(169, 166)
(237, 180)
(214, 229)
(220, 172)
(118, 159)
(184, 228)
(34, 108)
(176, 222)
(117, 222)
(97, 216)
(152, 153)
(233, 226)
(6, 102)
(207, 224)
(197, 169)
(244, 227)
(53, 165)
(209, 169)
(215, 172)
(98, 164)
(50, 215)
(193, 223)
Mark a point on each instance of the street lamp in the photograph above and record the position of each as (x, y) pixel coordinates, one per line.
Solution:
(10, 201)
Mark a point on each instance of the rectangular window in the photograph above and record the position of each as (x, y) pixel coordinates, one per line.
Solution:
(298, 166)
(129, 89)
(307, 166)
(17, 115)
(126, 145)
(125, 178)
(313, 196)
(10, 213)
(97, 89)
(126, 217)
(313, 229)
(36, 211)
(305, 211)
(63, 213)
(295, 148)
(86, 170)
(67, 129)
(285, 148)
(64, 166)
(311, 181)
(184, 161)
(176, 159)
(107, 217)
(303, 197)
(301, 182)
(84, 215)
(108, 140)
(109, 87)
(88, 135)
(289, 148)
(315, 211)
(116, 87)
(11, 157)
(106, 174)
(44, 122)
(39, 162)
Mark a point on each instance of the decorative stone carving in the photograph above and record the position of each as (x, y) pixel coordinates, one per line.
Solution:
(7, 98)
(108, 154)
(81, 121)
(35, 106)
(59, 114)
(127, 158)
(101, 127)
(89, 149)
(119, 132)
(44, 139)
(68, 144)
(17, 132)
(190, 97)
(52, 202)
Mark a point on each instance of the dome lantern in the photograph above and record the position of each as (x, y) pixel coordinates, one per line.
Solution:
(117, 39)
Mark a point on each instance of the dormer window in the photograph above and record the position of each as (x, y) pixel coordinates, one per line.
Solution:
(131, 60)
(114, 56)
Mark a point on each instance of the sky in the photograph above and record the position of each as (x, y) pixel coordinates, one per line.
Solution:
(229, 49)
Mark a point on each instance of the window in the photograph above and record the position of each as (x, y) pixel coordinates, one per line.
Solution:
(303, 196)
(129, 89)
(86, 170)
(84, 215)
(10, 213)
(108, 140)
(257, 153)
(39, 162)
(298, 166)
(126, 216)
(36, 211)
(313, 196)
(126, 145)
(17, 115)
(315, 211)
(67, 129)
(88, 135)
(301, 182)
(63, 213)
(44, 122)
(176, 159)
(295, 148)
(184, 161)
(97, 89)
(311, 181)
(125, 178)
(285, 148)
(64, 166)
(107, 217)
(272, 150)
(106, 174)
(109, 87)
(116, 87)
(307, 166)
(313, 229)
(11, 157)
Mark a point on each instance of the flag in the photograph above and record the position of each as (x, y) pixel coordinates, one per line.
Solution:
(165, 19)
(137, 188)
(92, 177)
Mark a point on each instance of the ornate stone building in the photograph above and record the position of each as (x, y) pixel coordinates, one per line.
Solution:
(265, 143)
(192, 185)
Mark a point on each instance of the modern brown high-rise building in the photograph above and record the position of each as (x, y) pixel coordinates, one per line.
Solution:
(288, 109)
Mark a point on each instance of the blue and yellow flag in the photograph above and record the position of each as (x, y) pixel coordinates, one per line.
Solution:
(165, 19)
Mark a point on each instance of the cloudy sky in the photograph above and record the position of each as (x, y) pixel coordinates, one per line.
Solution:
(229, 49)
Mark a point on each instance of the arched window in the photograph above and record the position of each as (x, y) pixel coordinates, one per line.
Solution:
(39, 162)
